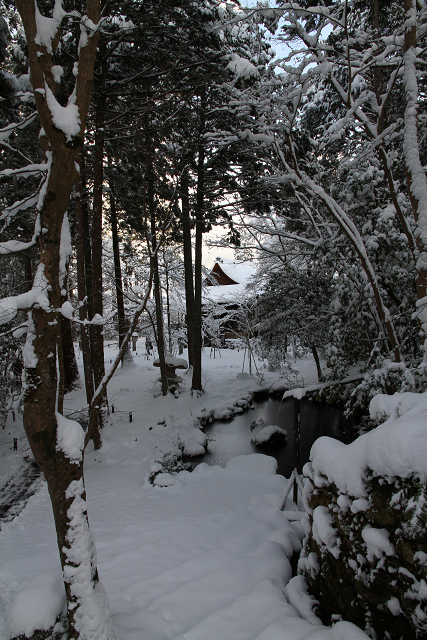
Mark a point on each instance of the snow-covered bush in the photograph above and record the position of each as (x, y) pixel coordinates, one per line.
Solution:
(389, 379)
(168, 464)
(365, 558)
(291, 376)
(365, 552)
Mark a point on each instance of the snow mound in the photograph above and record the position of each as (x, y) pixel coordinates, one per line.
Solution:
(398, 447)
(377, 542)
(38, 605)
(70, 438)
(297, 595)
(324, 533)
(269, 435)
(163, 480)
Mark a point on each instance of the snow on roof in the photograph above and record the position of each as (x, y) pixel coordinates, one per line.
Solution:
(240, 272)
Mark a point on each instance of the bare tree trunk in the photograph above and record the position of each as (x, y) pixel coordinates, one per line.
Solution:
(82, 279)
(121, 317)
(188, 263)
(168, 307)
(67, 356)
(157, 288)
(196, 384)
(71, 370)
(96, 331)
(44, 425)
(415, 174)
(317, 361)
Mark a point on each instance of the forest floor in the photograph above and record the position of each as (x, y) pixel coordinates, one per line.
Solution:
(195, 556)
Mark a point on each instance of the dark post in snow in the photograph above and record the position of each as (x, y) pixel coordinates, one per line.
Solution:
(297, 441)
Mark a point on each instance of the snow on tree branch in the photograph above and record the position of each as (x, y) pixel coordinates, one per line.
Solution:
(29, 170)
(14, 246)
(6, 132)
(47, 28)
(37, 296)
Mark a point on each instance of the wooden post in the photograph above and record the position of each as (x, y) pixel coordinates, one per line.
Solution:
(297, 440)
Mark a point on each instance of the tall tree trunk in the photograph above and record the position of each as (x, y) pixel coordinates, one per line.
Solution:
(415, 174)
(46, 429)
(121, 317)
(157, 288)
(317, 361)
(96, 330)
(71, 370)
(196, 384)
(188, 263)
(83, 259)
(168, 306)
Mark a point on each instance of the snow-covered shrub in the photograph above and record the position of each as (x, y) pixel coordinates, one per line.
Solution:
(390, 378)
(169, 463)
(365, 559)
(291, 376)
(365, 552)
(274, 359)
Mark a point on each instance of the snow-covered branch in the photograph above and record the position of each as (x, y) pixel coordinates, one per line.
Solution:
(6, 132)
(37, 296)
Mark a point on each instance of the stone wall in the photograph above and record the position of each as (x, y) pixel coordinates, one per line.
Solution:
(365, 559)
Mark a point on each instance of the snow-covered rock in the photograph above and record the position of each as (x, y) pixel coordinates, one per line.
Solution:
(37, 605)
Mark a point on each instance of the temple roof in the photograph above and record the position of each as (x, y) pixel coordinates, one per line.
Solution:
(231, 277)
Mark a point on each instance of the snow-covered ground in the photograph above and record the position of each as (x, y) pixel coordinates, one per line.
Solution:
(201, 555)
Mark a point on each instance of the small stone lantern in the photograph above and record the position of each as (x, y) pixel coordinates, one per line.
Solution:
(134, 341)
(172, 364)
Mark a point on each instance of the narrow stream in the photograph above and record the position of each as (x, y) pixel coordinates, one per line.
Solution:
(233, 437)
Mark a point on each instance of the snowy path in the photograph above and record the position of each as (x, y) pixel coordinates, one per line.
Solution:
(15, 493)
(205, 558)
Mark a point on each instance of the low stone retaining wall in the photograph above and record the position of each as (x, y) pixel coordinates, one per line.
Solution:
(365, 559)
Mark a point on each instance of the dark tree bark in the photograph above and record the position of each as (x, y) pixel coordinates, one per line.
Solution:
(196, 384)
(160, 338)
(188, 263)
(82, 260)
(122, 324)
(71, 370)
(96, 331)
(68, 363)
(168, 306)
(317, 361)
(415, 172)
(43, 423)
